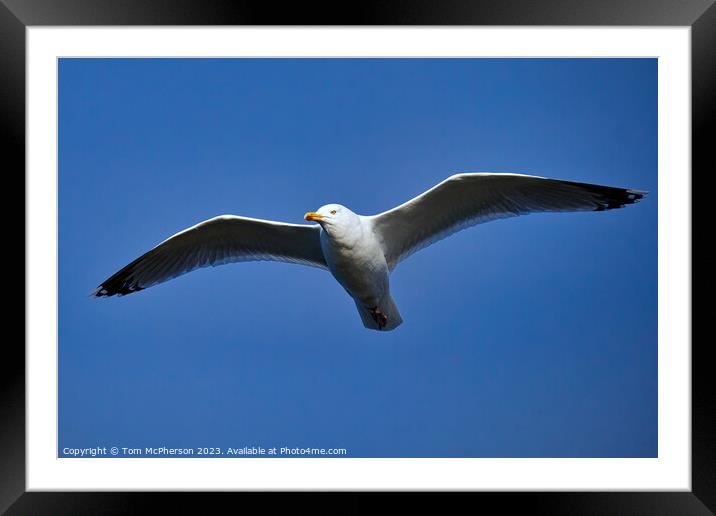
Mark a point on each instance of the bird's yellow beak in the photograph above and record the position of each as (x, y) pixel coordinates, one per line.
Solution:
(312, 215)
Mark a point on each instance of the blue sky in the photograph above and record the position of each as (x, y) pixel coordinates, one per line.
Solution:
(527, 337)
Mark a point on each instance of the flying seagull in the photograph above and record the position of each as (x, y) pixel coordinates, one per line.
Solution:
(361, 251)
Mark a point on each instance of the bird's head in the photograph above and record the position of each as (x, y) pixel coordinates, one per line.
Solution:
(332, 216)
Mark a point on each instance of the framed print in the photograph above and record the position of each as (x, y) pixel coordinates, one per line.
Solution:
(547, 357)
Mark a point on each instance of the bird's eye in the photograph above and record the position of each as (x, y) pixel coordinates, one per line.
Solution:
(333, 212)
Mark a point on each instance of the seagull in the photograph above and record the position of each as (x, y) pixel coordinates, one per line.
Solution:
(361, 251)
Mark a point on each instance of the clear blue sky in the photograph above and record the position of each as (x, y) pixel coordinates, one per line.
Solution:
(527, 337)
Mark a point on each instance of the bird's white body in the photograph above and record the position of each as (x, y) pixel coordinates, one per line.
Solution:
(356, 260)
(361, 251)
(355, 257)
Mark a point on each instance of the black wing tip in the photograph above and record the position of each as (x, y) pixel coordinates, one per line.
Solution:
(99, 292)
(109, 291)
(611, 198)
(120, 283)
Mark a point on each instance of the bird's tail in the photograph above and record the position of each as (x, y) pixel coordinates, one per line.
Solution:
(384, 317)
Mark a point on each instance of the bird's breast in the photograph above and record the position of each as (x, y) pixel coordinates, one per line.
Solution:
(359, 265)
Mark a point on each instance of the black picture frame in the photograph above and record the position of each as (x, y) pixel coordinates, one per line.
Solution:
(16, 15)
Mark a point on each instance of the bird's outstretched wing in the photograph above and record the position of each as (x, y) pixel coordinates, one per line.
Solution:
(464, 200)
(217, 241)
